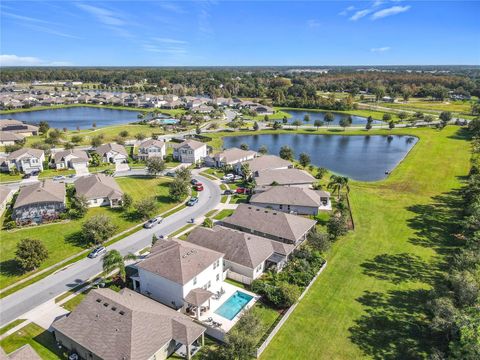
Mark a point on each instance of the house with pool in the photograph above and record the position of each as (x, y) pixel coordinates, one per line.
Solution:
(190, 279)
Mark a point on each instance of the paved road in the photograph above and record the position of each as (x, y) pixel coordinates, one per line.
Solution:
(17, 304)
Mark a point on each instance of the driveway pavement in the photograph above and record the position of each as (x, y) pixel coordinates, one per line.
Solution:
(24, 300)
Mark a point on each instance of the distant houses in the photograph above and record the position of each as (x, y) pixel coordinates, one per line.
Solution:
(10, 138)
(39, 202)
(99, 190)
(18, 127)
(113, 325)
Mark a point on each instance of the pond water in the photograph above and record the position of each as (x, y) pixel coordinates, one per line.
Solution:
(364, 158)
(81, 116)
(319, 115)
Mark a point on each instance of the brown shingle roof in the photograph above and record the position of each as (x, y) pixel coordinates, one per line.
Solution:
(198, 296)
(239, 247)
(152, 142)
(233, 154)
(4, 193)
(193, 144)
(283, 177)
(40, 192)
(290, 195)
(269, 222)
(265, 162)
(80, 154)
(98, 186)
(178, 261)
(103, 149)
(125, 325)
(10, 136)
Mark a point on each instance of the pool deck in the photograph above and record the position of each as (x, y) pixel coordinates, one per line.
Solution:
(226, 324)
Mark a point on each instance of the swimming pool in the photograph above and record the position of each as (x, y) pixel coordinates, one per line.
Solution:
(168, 121)
(235, 303)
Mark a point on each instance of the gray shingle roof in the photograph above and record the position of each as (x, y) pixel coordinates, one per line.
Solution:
(125, 325)
(4, 193)
(80, 154)
(283, 177)
(270, 222)
(178, 261)
(265, 162)
(40, 192)
(152, 142)
(32, 152)
(290, 195)
(10, 136)
(239, 247)
(193, 144)
(105, 148)
(98, 186)
(198, 296)
(233, 155)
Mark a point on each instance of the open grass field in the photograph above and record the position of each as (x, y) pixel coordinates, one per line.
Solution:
(376, 115)
(371, 300)
(461, 107)
(64, 240)
(40, 339)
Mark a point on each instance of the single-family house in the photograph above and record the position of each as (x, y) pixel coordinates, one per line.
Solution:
(247, 255)
(112, 153)
(125, 325)
(293, 199)
(5, 196)
(10, 138)
(26, 160)
(70, 159)
(272, 224)
(190, 151)
(230, 156)
(18, 127)
(99, 190)
(263, 110)
(26, 352)
(287, 177)
(39, 202)
(151, 148)
(175, 268)
(265, 162)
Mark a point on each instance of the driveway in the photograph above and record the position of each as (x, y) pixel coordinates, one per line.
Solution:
(26, 299)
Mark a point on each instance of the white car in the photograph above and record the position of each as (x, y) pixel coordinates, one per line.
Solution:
(228, 177)
(97, 252)
(59, 178)
(152, 222)
(237, 178)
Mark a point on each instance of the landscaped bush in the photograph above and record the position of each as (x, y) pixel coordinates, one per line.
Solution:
(283, 289)
(10, 225)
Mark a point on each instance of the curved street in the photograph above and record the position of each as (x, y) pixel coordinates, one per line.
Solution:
(28, 298)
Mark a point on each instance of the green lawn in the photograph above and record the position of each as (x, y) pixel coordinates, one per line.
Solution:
(223, 214)
(371, 300)
(40, 339)
(14, 323)
(64, 240)
(462, 107)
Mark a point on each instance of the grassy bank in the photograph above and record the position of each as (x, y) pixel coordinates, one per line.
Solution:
(376, 115)
(64, 239)
(371, 301)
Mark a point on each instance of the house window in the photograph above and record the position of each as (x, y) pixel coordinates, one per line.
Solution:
(195, 280)
(218, 277)
(209, 284)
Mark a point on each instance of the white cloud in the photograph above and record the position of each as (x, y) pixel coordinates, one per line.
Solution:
(15, 60)
(169, 41)
(380, 49)
(170, 7)
(377, 3)
(394, 10)
(312, 23)
(105, 16)
(359, 14)
(345, 11)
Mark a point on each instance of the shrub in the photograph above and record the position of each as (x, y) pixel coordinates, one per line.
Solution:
(30, 254)
(10, 225)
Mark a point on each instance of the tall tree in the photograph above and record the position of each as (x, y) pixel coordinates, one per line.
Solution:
(155, 165)
(328, 117)
(113, 261)
(30, 254)
(286, 153)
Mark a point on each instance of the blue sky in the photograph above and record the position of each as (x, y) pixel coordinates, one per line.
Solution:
(179, 33)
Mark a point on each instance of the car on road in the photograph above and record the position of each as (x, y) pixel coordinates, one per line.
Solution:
(35, 173)
(192, 201)
(59, 178)
(71, 176)
(171, 173)
(100, 250)
(237, 178)
(194, 182)
(228, 177)
(241, 190)
(152, 222)
(26, 176)
(228, 192)
(199, 187)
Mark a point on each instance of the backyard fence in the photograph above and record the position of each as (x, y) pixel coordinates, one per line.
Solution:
(287, 314)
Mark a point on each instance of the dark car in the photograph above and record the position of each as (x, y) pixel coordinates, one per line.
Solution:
(194, 182)
(228, 192)
(35, 173)
(26, 176)
(192, 201)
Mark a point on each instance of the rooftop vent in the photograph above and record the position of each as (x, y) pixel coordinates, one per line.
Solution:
(114, 308)
(105, 304)
(121, 312)
(99, 300)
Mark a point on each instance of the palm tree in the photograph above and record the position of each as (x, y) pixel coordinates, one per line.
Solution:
(113, 260)
(337, 183)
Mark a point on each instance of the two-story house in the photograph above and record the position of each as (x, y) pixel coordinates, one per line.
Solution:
(190, 151)
(112, 153)
(26, 160)
(70, 159)
(151, 148)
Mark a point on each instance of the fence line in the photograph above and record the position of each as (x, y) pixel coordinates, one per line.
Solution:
(287, 314)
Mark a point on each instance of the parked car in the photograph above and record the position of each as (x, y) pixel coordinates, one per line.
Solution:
(100, 250)
(194, 182)
(152, 222)
(35, 173)
(71, 176)
(237, 178)
(171, 173)
(199, 187)
(73, 356)
(228, 192)
(192, 201)
(228, 177)
(26, 176)
(241, 190)
(59, 177)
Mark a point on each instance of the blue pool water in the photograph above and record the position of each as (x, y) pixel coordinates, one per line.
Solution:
(168, 121)
(233, 305)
